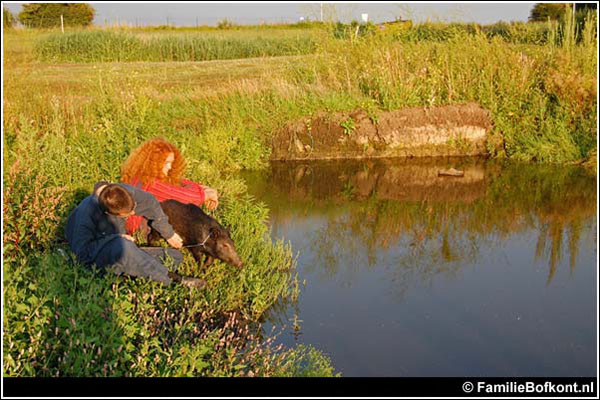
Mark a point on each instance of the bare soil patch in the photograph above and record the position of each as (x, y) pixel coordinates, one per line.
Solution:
(454, 130)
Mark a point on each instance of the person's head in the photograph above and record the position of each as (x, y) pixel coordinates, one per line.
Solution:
(116, 200)
(155, 159)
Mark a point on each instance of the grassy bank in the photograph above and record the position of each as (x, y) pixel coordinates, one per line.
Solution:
(542, 98)
(69, 125)
(61, 319)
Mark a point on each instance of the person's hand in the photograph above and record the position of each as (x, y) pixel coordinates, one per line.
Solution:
(211, 198)
(175, 241)
(128, 237)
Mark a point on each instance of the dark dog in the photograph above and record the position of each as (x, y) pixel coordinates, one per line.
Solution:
(201, 234)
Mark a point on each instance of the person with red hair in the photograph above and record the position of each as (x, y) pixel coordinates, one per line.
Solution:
(157, 166)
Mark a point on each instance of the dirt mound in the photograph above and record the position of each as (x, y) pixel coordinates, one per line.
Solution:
(457, 130)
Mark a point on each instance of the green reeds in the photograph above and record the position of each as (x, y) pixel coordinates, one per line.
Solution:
(105, 46)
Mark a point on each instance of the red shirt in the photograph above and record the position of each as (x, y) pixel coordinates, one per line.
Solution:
(189, 192)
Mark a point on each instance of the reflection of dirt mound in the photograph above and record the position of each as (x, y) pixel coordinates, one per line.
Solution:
(384, 179)
(457, 130)
(422, 183)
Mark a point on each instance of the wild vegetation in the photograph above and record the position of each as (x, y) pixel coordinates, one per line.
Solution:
(69, 125)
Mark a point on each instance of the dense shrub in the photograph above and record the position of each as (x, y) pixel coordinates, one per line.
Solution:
(541, 12)
(354, 29)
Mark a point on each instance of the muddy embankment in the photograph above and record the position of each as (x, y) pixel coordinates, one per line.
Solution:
(456, 130)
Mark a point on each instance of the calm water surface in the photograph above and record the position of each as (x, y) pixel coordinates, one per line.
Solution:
(413, 274)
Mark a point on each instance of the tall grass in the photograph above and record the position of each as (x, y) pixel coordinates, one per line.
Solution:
(62, 319)
(536, 33)
(514, 32)
(542, 98)
(226, 25)
(103, 46)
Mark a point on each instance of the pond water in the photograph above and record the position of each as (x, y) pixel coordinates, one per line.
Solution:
(407, 273)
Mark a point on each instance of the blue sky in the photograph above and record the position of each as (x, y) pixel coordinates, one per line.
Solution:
(205, 13)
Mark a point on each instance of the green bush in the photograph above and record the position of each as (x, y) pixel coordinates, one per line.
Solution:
(61, 319)
(520, 32)
(354, 29)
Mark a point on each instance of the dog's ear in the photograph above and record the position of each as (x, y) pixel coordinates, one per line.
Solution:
(214, 232)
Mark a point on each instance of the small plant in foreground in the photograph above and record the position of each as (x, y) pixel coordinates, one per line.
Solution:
(348, 126)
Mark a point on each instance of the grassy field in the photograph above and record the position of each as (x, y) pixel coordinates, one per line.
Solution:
(68, 124)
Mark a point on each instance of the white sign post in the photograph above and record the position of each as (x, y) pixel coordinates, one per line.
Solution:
(365, 18)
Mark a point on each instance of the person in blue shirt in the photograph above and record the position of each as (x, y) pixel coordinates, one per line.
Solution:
(96, 233)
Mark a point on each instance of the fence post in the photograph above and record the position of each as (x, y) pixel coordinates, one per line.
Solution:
(574, 23)
(62, 25)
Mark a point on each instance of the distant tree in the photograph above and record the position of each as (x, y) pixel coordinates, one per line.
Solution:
(47, 15)
(543, 11)
(8, 19)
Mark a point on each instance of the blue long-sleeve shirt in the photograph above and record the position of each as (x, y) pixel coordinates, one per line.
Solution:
(89, 228)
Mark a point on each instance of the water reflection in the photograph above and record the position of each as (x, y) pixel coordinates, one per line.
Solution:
(395, 228)
(441, 221)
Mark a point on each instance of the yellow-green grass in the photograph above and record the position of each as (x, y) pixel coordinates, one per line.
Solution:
(108, 45)
(69, 125)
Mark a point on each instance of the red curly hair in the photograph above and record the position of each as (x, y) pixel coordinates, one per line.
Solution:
(146, 163)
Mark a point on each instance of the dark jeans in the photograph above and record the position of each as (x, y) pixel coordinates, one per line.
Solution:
(129, 259)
